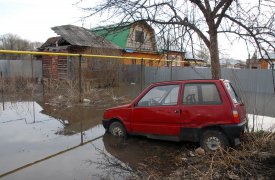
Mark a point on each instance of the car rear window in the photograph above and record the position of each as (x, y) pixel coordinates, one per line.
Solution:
(201, 93)
(234, 96)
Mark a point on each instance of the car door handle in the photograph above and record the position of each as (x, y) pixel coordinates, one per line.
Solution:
(178, 111)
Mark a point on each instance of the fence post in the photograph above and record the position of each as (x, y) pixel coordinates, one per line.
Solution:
(2, 91)
(171, 70)
(272, 71)
(79, 78)
(32, 70)
(141, 74)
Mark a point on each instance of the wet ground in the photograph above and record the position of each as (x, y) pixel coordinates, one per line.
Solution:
(40, 141)
(36, 145)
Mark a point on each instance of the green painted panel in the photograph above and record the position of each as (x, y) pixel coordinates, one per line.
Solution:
(117, 36)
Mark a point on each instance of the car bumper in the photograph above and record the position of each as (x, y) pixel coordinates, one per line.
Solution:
(235, 132)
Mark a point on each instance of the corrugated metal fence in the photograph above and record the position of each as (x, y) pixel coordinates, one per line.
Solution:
(23, 68)
(249, 80)
(254, 86)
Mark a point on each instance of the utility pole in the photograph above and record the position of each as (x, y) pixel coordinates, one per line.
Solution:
(169, 61)
(79, 78)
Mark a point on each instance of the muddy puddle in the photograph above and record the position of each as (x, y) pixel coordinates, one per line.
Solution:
(39, 141)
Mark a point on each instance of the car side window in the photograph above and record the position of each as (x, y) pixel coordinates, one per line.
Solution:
(164, 95)
(190, 94)
(201, 93)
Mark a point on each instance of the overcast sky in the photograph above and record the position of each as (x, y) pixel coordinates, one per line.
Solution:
(33, 19)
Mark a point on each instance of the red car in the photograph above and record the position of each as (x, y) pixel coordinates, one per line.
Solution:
(205, 111)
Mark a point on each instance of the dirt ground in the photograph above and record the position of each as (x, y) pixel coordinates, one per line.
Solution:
(254, 159)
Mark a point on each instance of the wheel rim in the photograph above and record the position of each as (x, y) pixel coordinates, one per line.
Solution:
(213, 143)
(117, 131)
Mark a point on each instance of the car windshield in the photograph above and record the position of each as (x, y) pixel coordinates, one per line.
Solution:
(235, 98)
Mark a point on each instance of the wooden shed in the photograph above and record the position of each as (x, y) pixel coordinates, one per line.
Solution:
(74, 39)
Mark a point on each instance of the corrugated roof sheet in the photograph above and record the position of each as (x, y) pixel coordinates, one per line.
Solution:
(117, 36)
(82, 37)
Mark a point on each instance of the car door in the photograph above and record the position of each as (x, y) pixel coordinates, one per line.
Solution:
(202, 105)
(157, 112)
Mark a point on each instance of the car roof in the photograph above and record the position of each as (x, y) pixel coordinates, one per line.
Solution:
(188, 80)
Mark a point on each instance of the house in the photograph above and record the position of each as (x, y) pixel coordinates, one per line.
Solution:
(240, 65)
(137, 36)
(265, 62)
(73, 39)
(138, 40)
(191, 60)
(176, 57)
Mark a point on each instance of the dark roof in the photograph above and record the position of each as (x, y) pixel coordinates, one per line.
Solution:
(51, 42)
(79, 36)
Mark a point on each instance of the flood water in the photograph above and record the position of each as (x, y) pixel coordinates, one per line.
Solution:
(42, 142)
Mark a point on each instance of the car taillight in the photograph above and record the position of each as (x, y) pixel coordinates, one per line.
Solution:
(236, 116)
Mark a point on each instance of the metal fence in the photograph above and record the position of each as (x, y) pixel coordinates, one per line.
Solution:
(23, 68)
(255, 86)
(248, 80)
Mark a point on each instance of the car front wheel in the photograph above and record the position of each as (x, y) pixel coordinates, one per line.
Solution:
(117, 129)
(211, 140)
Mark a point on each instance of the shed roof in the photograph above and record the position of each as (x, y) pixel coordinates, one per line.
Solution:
(50, 42)
(80, 36)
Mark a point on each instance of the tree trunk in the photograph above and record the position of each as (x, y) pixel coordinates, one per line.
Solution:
(214, 55)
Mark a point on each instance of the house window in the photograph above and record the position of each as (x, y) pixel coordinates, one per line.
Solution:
(173, 60)
(139, 36)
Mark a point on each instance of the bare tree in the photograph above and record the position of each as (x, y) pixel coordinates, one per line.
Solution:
(14, 42)
(190, 20)
(203, 53)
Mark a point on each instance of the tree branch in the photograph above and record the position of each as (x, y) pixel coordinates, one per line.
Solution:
(225, 8)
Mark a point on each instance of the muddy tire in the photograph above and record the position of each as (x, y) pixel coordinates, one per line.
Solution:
(117, 129)
(211, 140)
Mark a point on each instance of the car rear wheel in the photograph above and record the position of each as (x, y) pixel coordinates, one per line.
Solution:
(117, 129)
(211, 140)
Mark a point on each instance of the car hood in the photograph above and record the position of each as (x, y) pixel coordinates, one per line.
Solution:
(119, 107)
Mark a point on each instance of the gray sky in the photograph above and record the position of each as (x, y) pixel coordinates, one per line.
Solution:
(33, 19)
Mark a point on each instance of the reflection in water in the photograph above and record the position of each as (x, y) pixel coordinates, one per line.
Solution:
(27, 135)
(140, 157)
(74, 118)
(112, 166)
